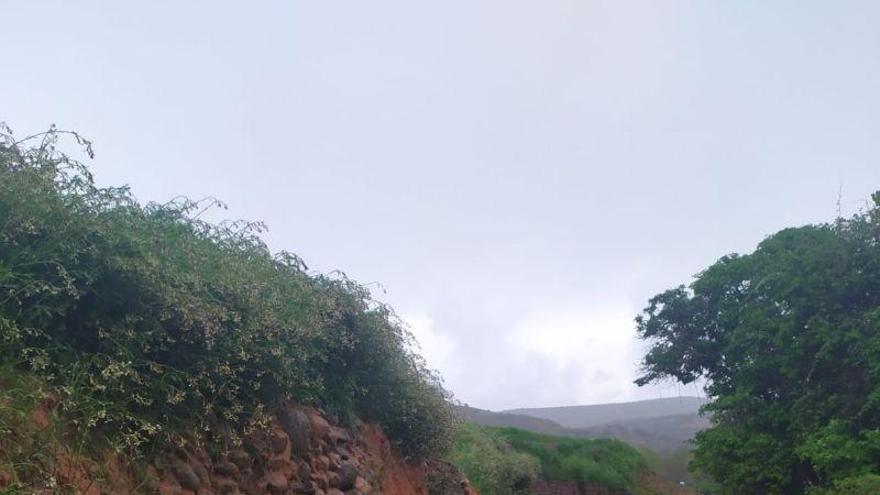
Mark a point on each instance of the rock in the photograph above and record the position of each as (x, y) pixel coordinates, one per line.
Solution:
(348, 474)
(228, 469)
(241, 459)
(298, 427)
(321, 480)
(276, 481)
(278, 441)
(304, 472)
(362, 486)
(339, 436)
(276, 464)
(169, 486)
(333, 480)
(335, 491)
(246, 474)
(227, 487)
(186, 476)
(202, 472)
(320, 427)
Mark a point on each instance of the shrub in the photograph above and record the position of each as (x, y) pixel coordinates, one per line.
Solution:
(509, 460)
(153, 323)
(491, 464)
(607, 462)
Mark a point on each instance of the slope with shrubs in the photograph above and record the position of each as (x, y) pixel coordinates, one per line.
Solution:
(491, 464)
(150, 325)
(510, 460)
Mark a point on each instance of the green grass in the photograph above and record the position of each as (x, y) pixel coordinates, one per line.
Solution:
(491, 464)
(495, 459)
(611, 463)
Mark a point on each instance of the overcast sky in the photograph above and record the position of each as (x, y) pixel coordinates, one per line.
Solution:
(520, 176)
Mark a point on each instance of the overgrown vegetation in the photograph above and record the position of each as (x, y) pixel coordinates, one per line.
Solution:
(607, 462)
(673, 466)
(509, 460)
(491, 464)
(152, 325)
(788, 338)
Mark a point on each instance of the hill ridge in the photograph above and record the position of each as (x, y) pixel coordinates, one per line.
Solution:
(586, 416)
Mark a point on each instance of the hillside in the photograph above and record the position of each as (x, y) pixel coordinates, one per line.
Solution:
(514, 461)
(599, 414)
(301, 451)
(662, 426)
(484, 417)
(143, 347)
(661, 434)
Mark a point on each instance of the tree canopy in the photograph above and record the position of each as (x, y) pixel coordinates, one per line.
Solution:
(788, 341)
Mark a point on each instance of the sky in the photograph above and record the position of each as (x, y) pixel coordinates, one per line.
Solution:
(515, 177)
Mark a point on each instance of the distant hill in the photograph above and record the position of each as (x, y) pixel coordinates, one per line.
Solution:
(499, 419)
(661, 425)
(599, 414)
(662, 434)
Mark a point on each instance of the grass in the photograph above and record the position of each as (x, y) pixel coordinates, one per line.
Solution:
(607, 462)
(25, 443)
(43, 451)
(506, 460)
(491, 464)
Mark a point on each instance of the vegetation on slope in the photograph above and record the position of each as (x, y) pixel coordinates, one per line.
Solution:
(509, 460)
(788, 338)
(152, 325)
(607, 462)
(491, 464)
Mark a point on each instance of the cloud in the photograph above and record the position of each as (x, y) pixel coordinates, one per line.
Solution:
(438, 349)
(591, 350)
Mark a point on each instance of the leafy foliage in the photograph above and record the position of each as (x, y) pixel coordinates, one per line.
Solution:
(787, 338)
(153, 323)
(866, 484)
(502, 460)
(491, 464)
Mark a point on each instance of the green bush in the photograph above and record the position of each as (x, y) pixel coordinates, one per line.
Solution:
(608, 462)
(491, 464)
(495, 459)
(153, 323)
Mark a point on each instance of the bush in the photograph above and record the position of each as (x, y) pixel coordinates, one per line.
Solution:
(153, 323)
(509, 460)
(607, 462)
(491, 464)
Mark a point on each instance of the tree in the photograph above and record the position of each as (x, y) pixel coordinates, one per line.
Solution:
(788, 341)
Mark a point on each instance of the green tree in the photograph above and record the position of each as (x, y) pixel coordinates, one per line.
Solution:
(788, 341)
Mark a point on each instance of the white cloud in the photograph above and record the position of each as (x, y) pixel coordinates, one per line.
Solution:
(592, 351)
(438, 349)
